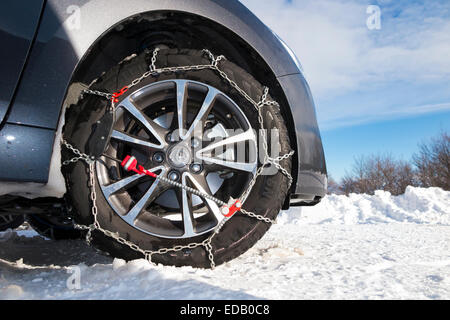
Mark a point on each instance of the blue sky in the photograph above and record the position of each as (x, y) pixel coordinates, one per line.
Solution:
(398, 137)
(376, 91)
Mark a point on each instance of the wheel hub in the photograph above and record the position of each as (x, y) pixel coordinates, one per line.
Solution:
(179, 155)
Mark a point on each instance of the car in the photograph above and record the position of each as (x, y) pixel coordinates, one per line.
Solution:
(170, 130)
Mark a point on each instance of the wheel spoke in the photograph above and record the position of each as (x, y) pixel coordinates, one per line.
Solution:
(225, 145)
(119, 185)
(127, 138)
(196, 128)
(156, 130)
(151, 194)
(187, 211)
(181, 87)
(124, 183)
(201, 185)
(5, 218)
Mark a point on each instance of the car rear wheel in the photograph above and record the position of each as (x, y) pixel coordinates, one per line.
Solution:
(174, 123)
(54, 227)
(10, 221)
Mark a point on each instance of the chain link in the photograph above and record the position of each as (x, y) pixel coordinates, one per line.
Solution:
(95, 226)
(97, 93)
(259, 217)
(80, 155)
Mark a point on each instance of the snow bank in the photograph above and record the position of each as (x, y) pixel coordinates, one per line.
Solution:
(322, 261)
(356, 247)
(416, 205)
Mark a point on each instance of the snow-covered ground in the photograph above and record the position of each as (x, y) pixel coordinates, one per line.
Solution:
(357, 247)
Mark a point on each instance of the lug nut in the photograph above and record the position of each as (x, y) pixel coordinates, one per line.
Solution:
(171, 137)
(158, 157)
(195, 143)
(174, 176)
(196, 167)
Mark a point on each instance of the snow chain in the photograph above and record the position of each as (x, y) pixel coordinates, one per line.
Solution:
(90, 161)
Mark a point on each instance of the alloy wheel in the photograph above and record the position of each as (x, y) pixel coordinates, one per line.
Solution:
(189, 132)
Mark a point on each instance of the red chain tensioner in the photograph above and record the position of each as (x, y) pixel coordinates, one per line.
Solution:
(130, 164)
(116, 95)
(233, 207)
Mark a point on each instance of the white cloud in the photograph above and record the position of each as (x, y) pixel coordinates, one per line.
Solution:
(340, 56)
(321, 35)
(398, 113)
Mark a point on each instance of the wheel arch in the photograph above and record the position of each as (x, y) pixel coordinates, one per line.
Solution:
(127, 35)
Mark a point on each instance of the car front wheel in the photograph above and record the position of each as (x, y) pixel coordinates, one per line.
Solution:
(192, 127)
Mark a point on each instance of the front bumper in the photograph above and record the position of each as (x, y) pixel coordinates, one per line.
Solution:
(311, 173)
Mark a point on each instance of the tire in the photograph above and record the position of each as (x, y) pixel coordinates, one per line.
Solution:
(10, 221)
(241, 232)
(52, 228)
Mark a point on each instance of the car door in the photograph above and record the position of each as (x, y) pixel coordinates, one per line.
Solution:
(18, 22)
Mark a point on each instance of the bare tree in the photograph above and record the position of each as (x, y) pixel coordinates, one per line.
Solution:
(333, 186)
(433, 162)
(378, 172)
(406, 176)
(348, 185)
(430, 167)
